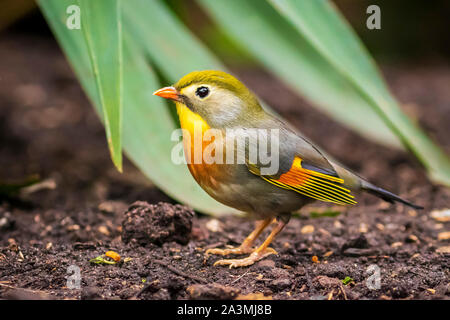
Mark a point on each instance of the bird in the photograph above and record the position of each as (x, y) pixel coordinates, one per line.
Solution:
(215, 101)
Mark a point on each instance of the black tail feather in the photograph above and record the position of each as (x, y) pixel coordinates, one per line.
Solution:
(388, 196)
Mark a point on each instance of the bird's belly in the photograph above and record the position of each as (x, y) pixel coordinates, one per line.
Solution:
(235, 186)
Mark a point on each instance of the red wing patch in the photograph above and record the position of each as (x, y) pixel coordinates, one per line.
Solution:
(313, 184)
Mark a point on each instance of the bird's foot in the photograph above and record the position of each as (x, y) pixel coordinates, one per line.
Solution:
(251, 259)
(225, 252)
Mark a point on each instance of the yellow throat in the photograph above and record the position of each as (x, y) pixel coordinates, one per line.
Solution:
(193, 124)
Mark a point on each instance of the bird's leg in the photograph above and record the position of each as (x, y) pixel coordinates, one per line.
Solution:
(258, 254)
(247, 244)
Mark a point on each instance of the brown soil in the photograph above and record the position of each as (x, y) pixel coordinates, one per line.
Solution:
(47, 127)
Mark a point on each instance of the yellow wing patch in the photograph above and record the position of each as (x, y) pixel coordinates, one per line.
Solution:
(313, 184)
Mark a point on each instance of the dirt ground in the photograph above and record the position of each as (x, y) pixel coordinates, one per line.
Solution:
(47, 127)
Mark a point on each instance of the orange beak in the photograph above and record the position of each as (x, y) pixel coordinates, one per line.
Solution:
(168, 93)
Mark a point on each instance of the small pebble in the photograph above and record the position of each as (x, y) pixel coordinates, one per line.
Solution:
(214, 225)
(442, 215)
(445, 249)
(307, 229)
(103, 230)
(444, 236)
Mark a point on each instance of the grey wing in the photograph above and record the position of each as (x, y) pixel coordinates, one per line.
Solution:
(278, 148)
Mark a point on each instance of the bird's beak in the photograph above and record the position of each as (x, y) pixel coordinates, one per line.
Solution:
(168, 93)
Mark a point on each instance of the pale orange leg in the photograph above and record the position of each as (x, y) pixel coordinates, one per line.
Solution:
(247, 244)
(260, 253)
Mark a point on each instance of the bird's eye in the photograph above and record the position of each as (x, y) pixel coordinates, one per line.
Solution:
(202, 92)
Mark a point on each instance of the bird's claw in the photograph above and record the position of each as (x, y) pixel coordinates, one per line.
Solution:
(251, 259)
(225, 252)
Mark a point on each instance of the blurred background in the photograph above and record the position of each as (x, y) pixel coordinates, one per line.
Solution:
(411, 30)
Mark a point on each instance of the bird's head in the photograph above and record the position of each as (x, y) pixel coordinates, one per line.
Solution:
(219, 98)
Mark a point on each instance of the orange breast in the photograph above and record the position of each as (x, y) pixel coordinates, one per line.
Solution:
(194, 130)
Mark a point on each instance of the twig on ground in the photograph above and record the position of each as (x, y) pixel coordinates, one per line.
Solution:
(238, 278)
(179, 272)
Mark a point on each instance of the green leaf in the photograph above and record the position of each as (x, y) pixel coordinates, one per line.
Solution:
(73, 45)
(320, 23)
(269, 38)
(169, 44)
(101, 260)
(102, 29)
(147, 122)
(347, 280)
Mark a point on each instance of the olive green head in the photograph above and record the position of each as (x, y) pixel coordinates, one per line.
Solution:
(219, 98)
